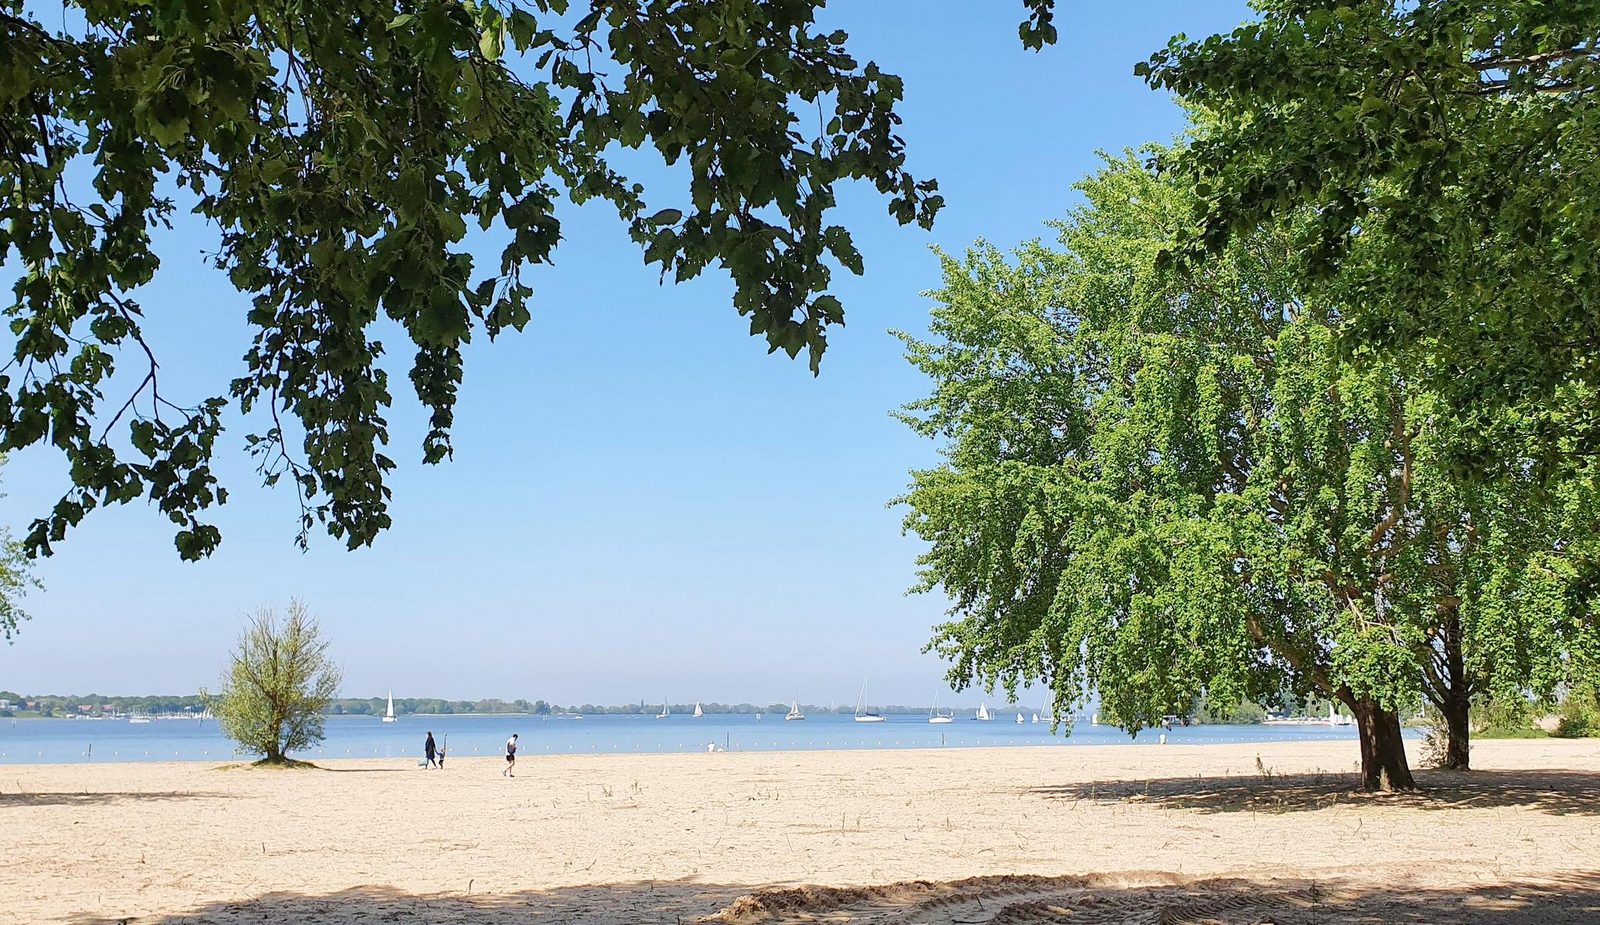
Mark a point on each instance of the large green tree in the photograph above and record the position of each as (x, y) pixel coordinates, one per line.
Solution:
(1460, 137)
(1160, 485)
(342, 150)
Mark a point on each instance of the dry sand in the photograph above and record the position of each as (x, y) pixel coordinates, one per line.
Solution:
(1194, 834)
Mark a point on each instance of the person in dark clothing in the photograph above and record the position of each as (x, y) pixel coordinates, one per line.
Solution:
(511, 756)
(431, 751)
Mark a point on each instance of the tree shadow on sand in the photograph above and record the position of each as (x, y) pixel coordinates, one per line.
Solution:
(612, 904)
(1559, 899)
(105, 797)
(1558, 792)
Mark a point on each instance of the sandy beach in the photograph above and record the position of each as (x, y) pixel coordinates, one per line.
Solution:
(1258, 833)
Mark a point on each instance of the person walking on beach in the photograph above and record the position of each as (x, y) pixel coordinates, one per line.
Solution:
(511, 756)
(431, 751)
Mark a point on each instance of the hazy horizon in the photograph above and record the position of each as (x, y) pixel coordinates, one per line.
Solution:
(642, 502)
(1032, 698)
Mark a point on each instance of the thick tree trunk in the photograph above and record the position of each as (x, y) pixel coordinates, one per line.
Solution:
(1383, 751)
(1456, 709)
(1455, 701)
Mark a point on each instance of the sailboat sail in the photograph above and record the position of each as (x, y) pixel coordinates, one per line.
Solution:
(697, 711)
(983, 713)
(863, 715)
(388, 714)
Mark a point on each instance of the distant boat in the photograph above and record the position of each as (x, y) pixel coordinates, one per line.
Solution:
(794, 710)
(982, 715)
(388, 715)
(934, 716)
(1334, 719)
(665, 712)
(138, 718)
(862, 714)
(697, 711)
(1019, 719)
(1094, 720)
(1036, 717)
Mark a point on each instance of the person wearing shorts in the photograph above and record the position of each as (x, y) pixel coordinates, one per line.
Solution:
(511, 756)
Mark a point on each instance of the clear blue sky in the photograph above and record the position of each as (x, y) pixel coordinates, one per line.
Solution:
(642, 502)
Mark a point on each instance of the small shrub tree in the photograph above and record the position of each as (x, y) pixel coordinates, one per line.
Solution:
(279, 681)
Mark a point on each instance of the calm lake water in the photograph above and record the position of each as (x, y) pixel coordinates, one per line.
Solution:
(35, 741)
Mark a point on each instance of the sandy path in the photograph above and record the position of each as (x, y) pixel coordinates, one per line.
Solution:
(671, 837)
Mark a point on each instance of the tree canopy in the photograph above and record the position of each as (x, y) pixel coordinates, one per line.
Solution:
(1161, 485)
(1449, 151)
(342, 150)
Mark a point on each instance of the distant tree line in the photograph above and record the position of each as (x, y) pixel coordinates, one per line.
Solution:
(59, 705)
(97, 704)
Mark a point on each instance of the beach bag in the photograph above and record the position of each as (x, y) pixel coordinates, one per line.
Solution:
(422, 762)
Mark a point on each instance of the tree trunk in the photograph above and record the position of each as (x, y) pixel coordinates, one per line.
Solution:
(1456, 700)
(275, 747)
(1456, 710)
(1383, 751)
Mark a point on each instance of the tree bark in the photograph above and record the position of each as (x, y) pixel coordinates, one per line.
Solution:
(1451, 691)
(1383, 751)
(275, 747)
(1458, 732)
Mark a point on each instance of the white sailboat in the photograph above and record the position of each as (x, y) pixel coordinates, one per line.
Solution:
(862, 714)
(1334, 719)
(934, 716)
(697, 711)
(665, 712)
(388, 714)
(1020, 720)
(982, 715)
(1094, 720)
(794, 710)
(1036, 717)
